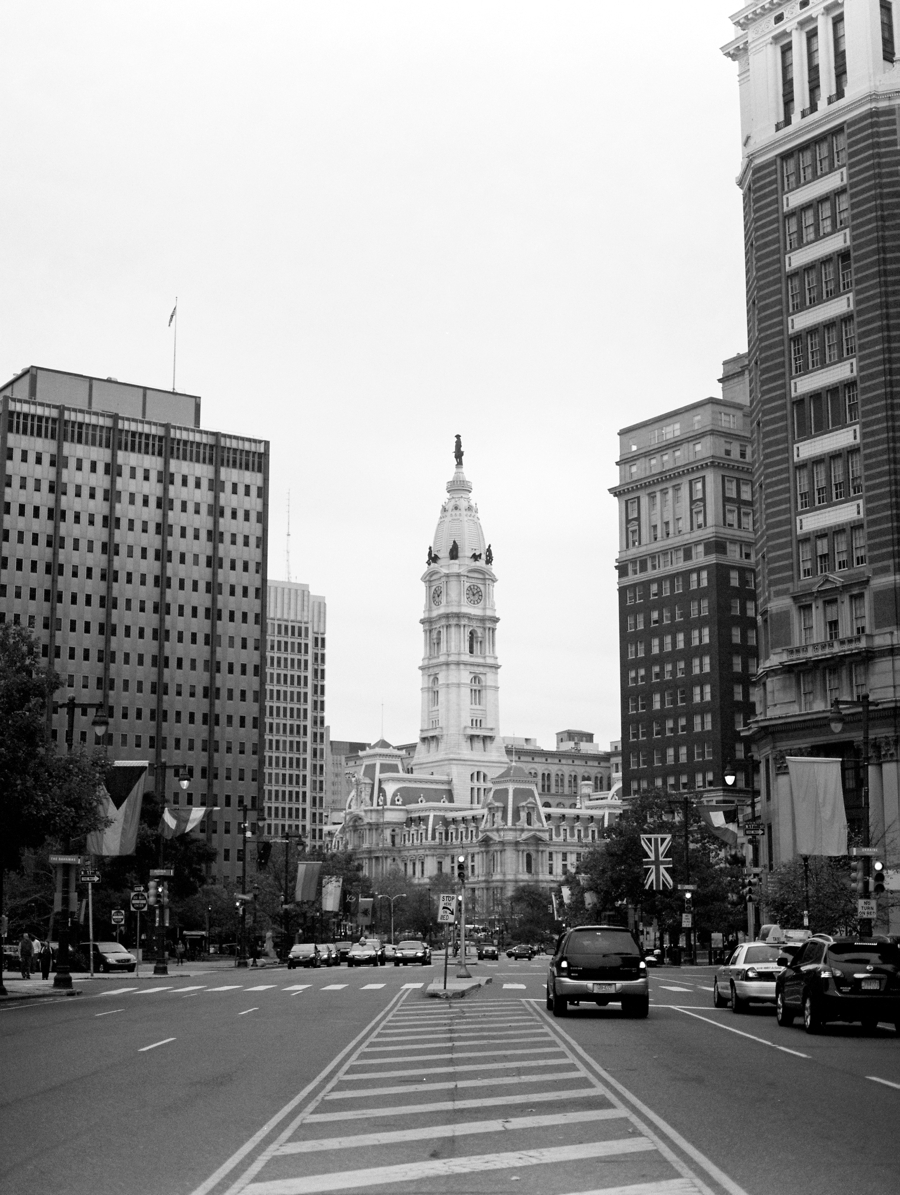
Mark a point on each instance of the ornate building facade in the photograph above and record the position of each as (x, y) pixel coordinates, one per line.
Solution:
(460, 794)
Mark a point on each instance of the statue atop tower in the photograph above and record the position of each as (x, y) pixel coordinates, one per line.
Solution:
(458, 451)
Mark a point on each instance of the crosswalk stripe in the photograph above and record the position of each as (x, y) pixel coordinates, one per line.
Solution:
(115, 991)
(671, 988)
(450, 1130)
(368, 987)
(413, 985)
(405, 1088)
(226, 987)
(491, 1101)
(349, 1180)
(332, 987)
(260, 987)
(298, 987)
(456, 1054)
(514, 985)
(151, 991)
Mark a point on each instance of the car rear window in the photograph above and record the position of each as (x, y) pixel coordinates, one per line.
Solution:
(864, 954)
(762, 954)
(410, 946)
(588, 945)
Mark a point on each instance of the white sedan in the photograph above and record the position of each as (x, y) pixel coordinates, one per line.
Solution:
(749, 975)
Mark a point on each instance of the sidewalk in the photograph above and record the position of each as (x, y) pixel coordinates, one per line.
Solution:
(40, 989)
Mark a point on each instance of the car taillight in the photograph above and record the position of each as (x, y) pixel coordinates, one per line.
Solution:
(642, 966)
(751, 973)
(563, 965)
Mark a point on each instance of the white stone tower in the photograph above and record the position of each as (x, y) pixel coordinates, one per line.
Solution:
(460, 722)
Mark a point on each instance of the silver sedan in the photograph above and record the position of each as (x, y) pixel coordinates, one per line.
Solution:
(748, 976)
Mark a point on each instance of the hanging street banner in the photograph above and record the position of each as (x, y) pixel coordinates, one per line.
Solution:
(658, 862)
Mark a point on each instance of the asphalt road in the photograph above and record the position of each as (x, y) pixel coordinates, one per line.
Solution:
(290, 1082)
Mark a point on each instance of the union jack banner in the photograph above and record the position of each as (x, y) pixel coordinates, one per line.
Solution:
(658, 861)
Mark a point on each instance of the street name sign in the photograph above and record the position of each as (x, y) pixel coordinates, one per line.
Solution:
(55, 859)
(164, 873)
(855, 851)
(447, 910)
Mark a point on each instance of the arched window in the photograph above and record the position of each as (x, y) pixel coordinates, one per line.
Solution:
(559, 782)
(435, 695)
(475, 690)
(529, 866)
(436, 643)
(529, 820)
(478, 782)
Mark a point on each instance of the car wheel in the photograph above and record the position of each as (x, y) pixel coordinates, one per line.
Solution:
(783, 1015)
(719, 1000)
(560, 1005)
(638, 1006)
(737, 1004)
(812, 1020)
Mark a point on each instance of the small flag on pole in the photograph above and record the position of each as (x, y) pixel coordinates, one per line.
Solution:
(172, 316)
(179, 821)
(658, 861)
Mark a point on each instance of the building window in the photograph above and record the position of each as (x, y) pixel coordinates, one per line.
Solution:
(787, 82)
(823, 156)
(806, 167)
(842, 210)
(805, 548)
(793, 283)
(832, 623)
(841, 560)
(821, 555)
(807, 690)
(796, 355)
(887, 31)
(812, 349)
(806, 624)
(831, 346)
(848, 335)
(791, 231)
(811, 286)
(837, 478)
(828, 278)
(858, 542)
(819, 482)
(846, 271)
(851, 398)
(475, 690)
(824, 214)
(812, 69)
(839, 57)
(435, 685)
(858, 613)
(853, 468)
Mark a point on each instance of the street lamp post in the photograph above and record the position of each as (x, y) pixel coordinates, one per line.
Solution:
(161, 963)
(384, 896)
(836, 723)
(242, 947)
(100, 723)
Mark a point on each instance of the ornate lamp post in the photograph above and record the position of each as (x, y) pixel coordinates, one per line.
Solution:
(384, 896)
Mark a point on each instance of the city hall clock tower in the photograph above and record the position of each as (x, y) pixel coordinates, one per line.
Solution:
(460, 720)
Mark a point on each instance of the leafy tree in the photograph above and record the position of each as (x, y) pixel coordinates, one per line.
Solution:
(530, 915)
(832, 905)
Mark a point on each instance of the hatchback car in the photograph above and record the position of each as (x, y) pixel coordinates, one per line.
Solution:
(329, 953)
(411, 951)
(841, 979)
(599, 964)
(749, 976)
(304, 954)
(523, 950)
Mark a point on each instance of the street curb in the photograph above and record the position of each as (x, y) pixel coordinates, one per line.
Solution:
(21, 997)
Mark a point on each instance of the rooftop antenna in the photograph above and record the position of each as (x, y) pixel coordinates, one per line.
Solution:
(288, 543)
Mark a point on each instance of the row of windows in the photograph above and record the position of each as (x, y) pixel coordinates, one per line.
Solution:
(823, 411)
(824, 345)
(814, 160)
(816, 220)
(669, 698)
(832, 551)
(832, 480)
(680, 783)
(809, 45)
(125, 437)
(668, 755)
(817, 687)
(697, 579)
(823, 620)
(819, 282)
(666, 727)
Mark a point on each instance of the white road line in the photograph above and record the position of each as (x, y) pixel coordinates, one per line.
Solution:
(115, 992)
(406, 1088)
(369, 987)
(453, 1070)
(450, 1130)
(261, 987)
(886, 1082)
(740, 1032)
(226, 987)
(446, 1167)
(413, 985)
(705, 987)
(333, 987)
(491, 1101)
(246, 1010)
(165, 1041)
(193, 987)
(514, 985)
(463, 1054)
(669, 988)
(298, 987)
(166, 987)
(108, 1012)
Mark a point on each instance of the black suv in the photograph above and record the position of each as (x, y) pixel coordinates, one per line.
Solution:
(598, 964)
(841, 979)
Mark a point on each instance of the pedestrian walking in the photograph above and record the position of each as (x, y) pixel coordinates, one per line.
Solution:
(35, 954)
(26, 956)
(179, 953)
(46, 960)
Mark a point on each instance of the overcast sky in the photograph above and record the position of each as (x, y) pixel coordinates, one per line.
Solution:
(386, 222)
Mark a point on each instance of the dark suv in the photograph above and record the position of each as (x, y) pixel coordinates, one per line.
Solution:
(598, 964)
(841, 979)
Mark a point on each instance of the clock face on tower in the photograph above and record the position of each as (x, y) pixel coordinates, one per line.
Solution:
(474, 595)
(437, 595)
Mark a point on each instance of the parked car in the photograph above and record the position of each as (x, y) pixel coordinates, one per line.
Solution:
(108, 956)
(523, 950)
(653, 957)
(598, 964)
(362, 955)
(841, 979)
(412, 951)
(303, 954)
(487, 950)
(749, 976)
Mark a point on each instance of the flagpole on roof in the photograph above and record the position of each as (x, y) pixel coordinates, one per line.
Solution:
(173, 318)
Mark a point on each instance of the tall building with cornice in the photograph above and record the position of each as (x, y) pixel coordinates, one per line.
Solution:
(820, 176)
(460, 794)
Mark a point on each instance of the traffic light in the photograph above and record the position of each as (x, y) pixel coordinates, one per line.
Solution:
(263, 851)
(163, 893)
(153, 892)
(748, 888)
(859, 880)
(877, 877)
(461, 868)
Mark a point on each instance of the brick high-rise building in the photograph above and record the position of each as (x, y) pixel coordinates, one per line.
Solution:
(820, 176)
(134, 545)
(687, 597)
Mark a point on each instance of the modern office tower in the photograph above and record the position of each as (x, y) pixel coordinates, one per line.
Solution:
(134, 545)
(687, 598)
(295, 714)
(820, 176)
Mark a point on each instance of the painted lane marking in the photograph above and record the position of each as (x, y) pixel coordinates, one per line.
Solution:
(297, 987)
(152, 991)
(246, 1010)
(193, 987)
(670, 988)
(369, 987)
(165, 1041)
(514, 985)
(886, 1082)
(740, 1032)
(226, 987)
(108, 1012)
(115, 992)
(406, 1088)
(462, 1054)
(453, 1070)
(451, 1130)
(413, 985)
(445, 1167)
(535, 1097)
(333, 987)
(261, 987)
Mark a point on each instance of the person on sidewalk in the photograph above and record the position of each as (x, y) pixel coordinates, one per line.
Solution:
(179, 953)
(26, 956)
(46, 960)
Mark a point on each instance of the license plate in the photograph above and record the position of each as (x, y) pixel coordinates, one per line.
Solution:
(603, 987)
(870, 985)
